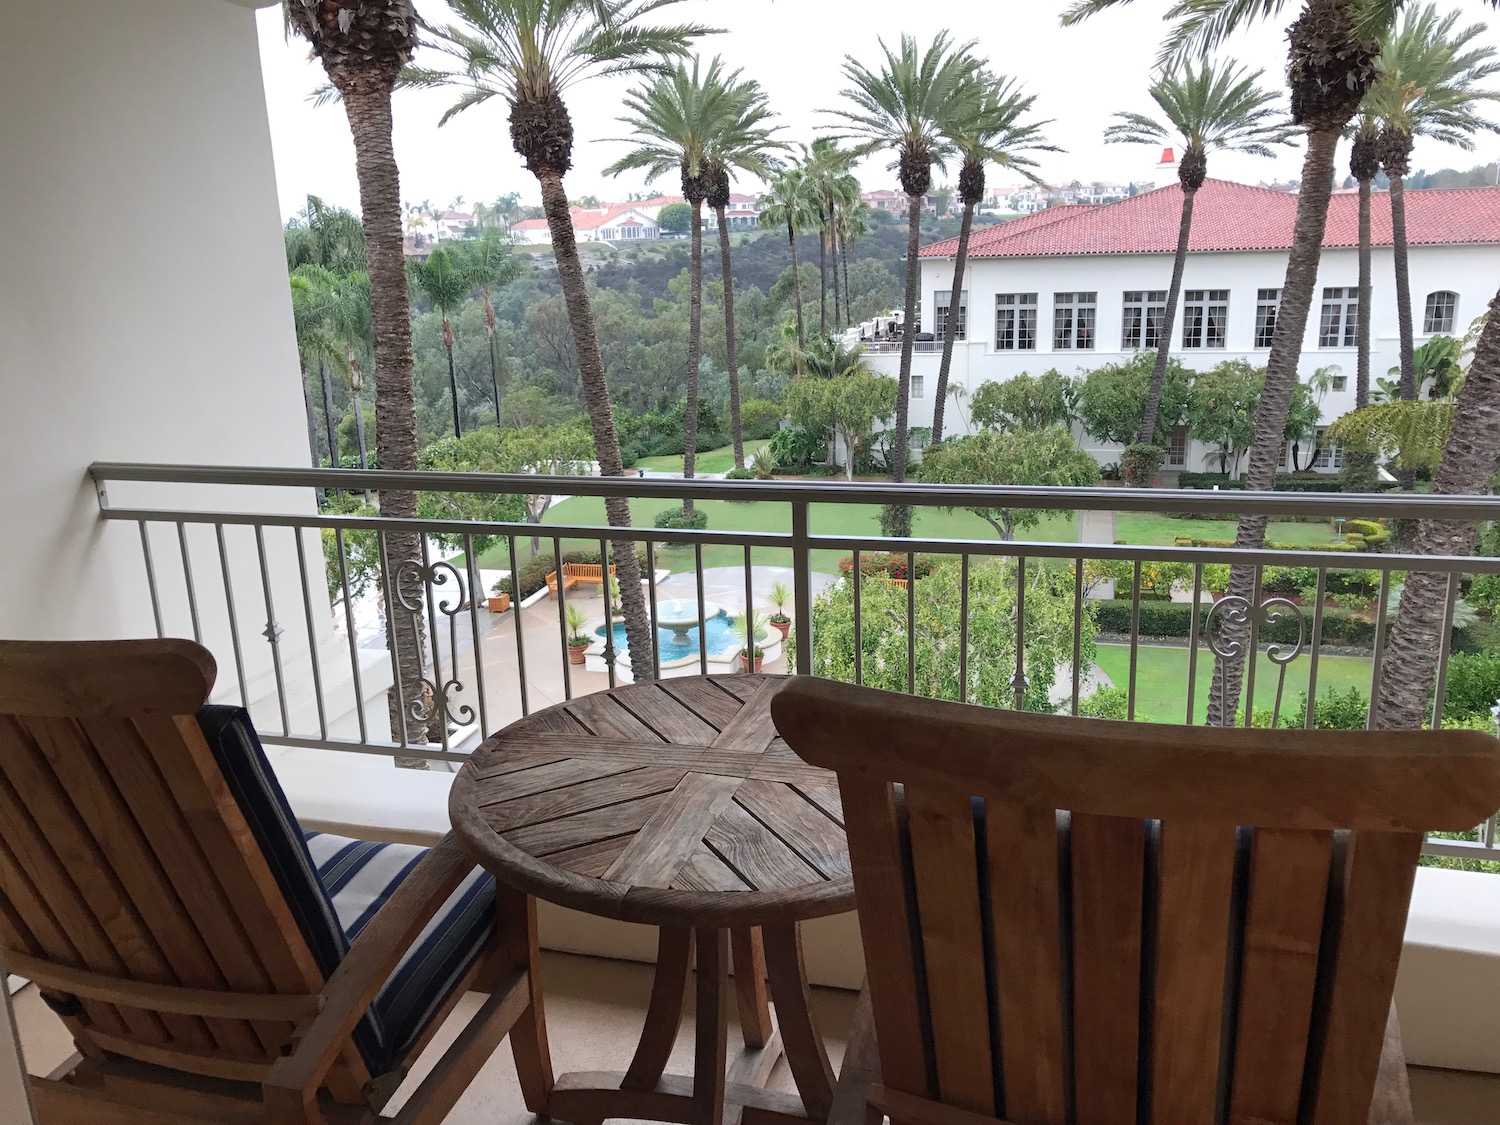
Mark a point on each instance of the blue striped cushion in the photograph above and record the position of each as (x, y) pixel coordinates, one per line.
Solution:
(359, 877)
(333, 886)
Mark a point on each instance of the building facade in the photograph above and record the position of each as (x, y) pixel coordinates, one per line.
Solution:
(1076, 287)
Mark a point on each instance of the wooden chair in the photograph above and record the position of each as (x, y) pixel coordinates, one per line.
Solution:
(155, 887)
(1074, 920)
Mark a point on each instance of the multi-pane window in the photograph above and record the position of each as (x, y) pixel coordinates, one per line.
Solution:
(1144, 311)
(1073, 321)
(1328, 456)
(1205, 317)
(918, 386)
(1340, 318)
(1266, 303)
(1441, 307)
(941, 301)
(1015, 322)
(1177, 448)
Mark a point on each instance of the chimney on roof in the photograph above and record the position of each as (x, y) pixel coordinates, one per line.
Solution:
(1166, 168)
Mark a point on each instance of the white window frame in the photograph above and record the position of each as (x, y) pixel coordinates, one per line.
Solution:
(1267, 307)
(1329, 458)
(1338, 317)
(1011, 339)
(1177, 446)
(918, 386)
(1075, 320)
(941, 302)
(1143, 311)
(1429, 321)
(1205, 319)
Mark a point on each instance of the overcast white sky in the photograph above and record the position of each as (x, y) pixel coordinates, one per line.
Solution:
(794, 48)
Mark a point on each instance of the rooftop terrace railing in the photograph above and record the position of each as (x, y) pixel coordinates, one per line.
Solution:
(286, 612)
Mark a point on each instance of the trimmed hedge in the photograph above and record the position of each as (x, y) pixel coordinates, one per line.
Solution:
(1285, 482)
(1175, 619)
(680, 519)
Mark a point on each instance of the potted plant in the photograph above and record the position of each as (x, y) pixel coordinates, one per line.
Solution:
(499, 599)
(781, 597)
(750, 627)
(616, 606)
(578, 640)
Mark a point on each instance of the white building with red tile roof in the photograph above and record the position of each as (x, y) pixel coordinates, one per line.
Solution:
(612, 222)
(1075, 287)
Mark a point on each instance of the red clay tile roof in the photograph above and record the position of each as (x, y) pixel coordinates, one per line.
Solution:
(1228, 216)
(530, 224)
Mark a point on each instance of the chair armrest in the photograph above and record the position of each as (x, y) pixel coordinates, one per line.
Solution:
(292, 1082)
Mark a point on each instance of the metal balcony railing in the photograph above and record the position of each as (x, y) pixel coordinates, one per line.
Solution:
(225, 573)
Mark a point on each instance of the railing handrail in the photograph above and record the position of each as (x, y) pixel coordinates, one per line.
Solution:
(1240, 501)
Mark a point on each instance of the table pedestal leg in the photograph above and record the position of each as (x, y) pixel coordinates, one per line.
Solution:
(710, 1096)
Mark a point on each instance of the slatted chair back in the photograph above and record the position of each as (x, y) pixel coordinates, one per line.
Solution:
(1074, 920)
(132, 889)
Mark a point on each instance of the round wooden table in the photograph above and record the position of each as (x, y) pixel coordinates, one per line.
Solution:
(675, 804)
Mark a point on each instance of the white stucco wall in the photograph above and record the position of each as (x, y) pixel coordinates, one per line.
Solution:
(1470, 271)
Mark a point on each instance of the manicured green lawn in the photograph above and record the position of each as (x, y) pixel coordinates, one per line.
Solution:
(707, 461)
(1155, 530)
(826, 519)
(1161, 679)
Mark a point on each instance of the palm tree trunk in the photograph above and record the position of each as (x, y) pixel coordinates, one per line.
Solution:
(328, 423)
(1408, 384)
(1469, 457)
(1275, 402)
(359, 429)
(601, 415)
(312, 417)
(791, 239)
(1366, 299)
(695, 349)
(731, 346)
(369, 113)
(908, 339)
(844, 253)
(833, 240)
(1149, 429)
(823, 281)
(960, 262)
(458, 429)
(494, 374)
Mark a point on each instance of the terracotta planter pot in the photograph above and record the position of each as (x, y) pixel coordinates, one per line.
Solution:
(782, 627)
(498, 603)
(576, 653)
(745, 663)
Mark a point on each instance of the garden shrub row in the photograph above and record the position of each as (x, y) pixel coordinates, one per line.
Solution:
(1175, 619)
(887, 565)
(680, 519)
(1349, 543)
(1285, 482)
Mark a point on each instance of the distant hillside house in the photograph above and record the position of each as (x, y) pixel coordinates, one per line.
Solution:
(1076, 287)
(613, 222)
(894, 201)
(742, 213)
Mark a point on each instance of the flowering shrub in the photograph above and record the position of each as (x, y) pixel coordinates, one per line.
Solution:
(878, 564)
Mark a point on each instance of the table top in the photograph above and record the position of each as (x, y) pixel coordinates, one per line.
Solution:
(669, 803)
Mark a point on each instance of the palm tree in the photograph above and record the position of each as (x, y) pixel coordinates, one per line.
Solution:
(1203, 110)
(331, 237)
(1364, 163)
(363, 45)
(529, 52)
(675, 116)
(1430, 74)
(314, 341)
(992, 130)
(745, 143)
(444, 283)
(908, 104)
(490, 265)
(853, 223)
(829, 178)
(788, 201)
(357, 331)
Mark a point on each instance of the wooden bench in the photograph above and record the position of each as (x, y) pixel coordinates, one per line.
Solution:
(578, 574)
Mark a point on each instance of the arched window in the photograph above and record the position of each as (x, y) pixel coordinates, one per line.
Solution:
(1442, 306)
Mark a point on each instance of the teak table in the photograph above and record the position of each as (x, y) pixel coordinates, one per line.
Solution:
(674, 804)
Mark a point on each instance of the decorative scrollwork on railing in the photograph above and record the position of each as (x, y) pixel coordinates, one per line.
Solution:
(1229, 624)
(415, 582)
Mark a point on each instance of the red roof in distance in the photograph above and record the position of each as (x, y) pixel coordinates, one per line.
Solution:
(1227, 217)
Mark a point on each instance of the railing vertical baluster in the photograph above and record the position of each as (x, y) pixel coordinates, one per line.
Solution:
(911, 623)
(187, 577)
(516, 625)
(1077, 634)
(1379, 651)
(312, 635)
(856, 576)
(273, 630)
(1444, 643)
(1193, 619)
(1135, 639)
(1018, 683)
(1253, 656)
(1309, 719)
(702, 619)
(610, 652)
(562, 619)
(359, 694)
(963, 628)
(393, 607)
(1489, 830)
(750, 606)
(439, 704)
(151, 579)
(234, 622)
(477, 591)
(802, 581)
(651, 598)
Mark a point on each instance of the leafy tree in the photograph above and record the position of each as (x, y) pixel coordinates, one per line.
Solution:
(1110, 400)
(1223, 406)
(675, 218)
(908, 104)
(849, 406)
(989, 127)
(1408, 434)
(935, 630)
(1203, 110)
(1031, 457)
(1026, 402)
(528, 53)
